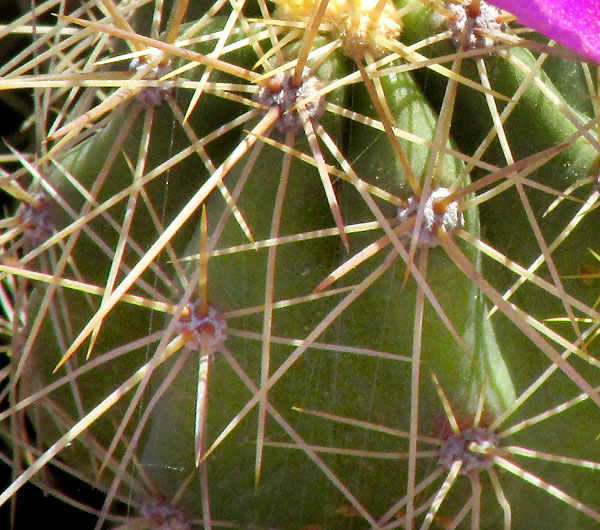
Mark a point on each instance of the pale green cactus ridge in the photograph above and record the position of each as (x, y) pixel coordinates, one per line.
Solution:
(457, 293)
(540, 120)
(85, 162)
(238, 281)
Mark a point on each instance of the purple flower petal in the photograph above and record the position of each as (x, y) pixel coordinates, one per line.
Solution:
(574, 23)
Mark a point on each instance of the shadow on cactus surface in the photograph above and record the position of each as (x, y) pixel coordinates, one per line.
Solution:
(299, 265)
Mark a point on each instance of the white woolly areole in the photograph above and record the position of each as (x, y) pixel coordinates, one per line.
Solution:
(456, 448)
(449, 219)
(284, 93)
(194, 325)
(470, 31)
(36, 219)
(152, 95)
(162, 516)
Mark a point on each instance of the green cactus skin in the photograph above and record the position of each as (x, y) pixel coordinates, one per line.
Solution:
(335, 444)
(456, 294)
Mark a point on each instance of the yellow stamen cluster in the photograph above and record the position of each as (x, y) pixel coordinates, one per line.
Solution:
(361, 25)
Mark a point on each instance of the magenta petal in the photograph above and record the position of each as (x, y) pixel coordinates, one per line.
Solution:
(574, 23)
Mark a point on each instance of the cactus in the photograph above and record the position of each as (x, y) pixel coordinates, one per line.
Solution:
(300, 265)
